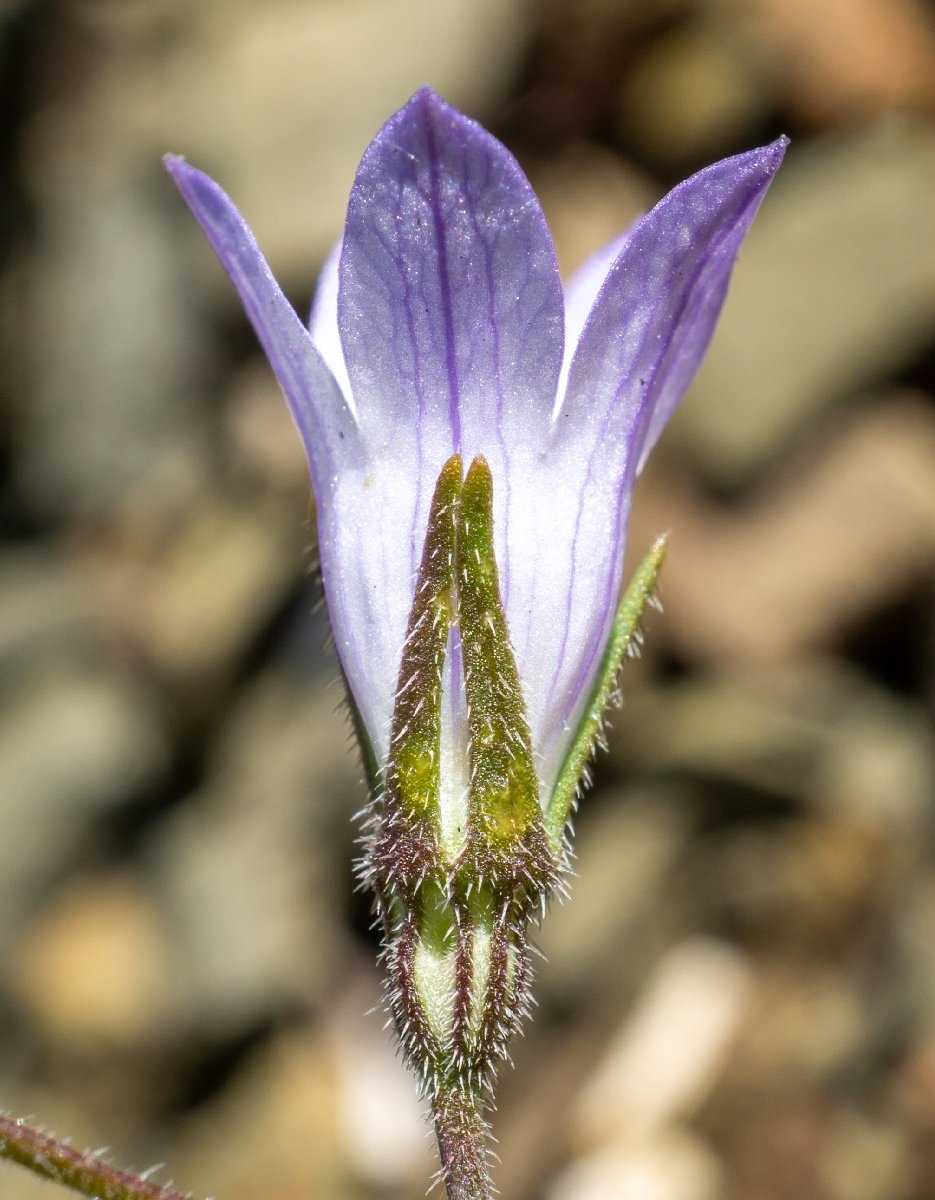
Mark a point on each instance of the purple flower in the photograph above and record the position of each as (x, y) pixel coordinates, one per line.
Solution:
(478, 617)
(440, 325)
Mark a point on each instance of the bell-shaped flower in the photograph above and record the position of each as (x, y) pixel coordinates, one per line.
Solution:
(440, 326)
(477, 618)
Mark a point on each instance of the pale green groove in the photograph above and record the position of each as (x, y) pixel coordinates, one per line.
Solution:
(631, 609)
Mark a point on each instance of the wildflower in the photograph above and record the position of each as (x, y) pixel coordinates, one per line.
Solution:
(476, 613)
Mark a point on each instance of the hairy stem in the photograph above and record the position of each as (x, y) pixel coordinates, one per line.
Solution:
(462, 1135)
(84, 1172)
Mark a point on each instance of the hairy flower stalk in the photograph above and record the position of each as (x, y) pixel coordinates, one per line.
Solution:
(87, 1172)
(474, 432)
(456, 884)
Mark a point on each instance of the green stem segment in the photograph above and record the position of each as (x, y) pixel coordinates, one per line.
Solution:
(462, 1135)
(87, 1173)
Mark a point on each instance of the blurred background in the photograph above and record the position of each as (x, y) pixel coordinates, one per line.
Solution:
(739, 1002)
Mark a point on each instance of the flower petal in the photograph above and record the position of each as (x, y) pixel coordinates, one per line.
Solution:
(451, 317)
(450, 304)
(654, 315)
(371, 584)
(318, 407)
(641, 344)
(351, 543)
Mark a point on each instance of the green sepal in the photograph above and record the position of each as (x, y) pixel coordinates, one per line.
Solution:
(631, 609)
(406, 849)
(413, 769)
(455, 911)
(504, 799)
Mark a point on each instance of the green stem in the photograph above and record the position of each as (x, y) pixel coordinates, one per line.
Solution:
(86, 1173)
(462, 1135)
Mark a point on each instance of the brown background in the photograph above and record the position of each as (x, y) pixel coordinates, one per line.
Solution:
(739, 1001)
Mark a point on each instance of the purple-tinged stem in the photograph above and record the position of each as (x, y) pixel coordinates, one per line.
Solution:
(84, 1172)
(462, 1135)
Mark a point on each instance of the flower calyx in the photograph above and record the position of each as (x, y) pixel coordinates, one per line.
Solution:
(459, 858)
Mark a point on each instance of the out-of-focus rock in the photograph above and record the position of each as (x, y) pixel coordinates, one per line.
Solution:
(589, 196)
(45, 609)
(249, 938)
(835, 286)
(676, 1165)
(75, 745)
(273, 1132)
(94, 966)
(772, 1144)
(286, 139)
(911, 1091)
(112, 362)
(841, 534)
(790, 1117)
(580, 50)
(279, 100)
(809, 887)
(379, 1110)
(262, 442)
(788, 732)
(692, 95)
(803, 1022)
(868, 1159)
(913, 964)
(879, 765)
(667, 1053)
(625, 855)
(716, 727)
(842, 60)
(191, 603)
(248, 870)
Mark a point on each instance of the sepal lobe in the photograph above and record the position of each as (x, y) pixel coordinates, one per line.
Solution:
(455, 914)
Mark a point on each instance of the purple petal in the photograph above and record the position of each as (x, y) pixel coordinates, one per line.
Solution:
(369, 587)
(318, 407)
(655, 313)
(450, 304)
(641, 344)
(370, 584)
(353, 546)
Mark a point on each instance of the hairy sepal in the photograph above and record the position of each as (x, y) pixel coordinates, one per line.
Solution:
(455, 912)
(624, 638)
